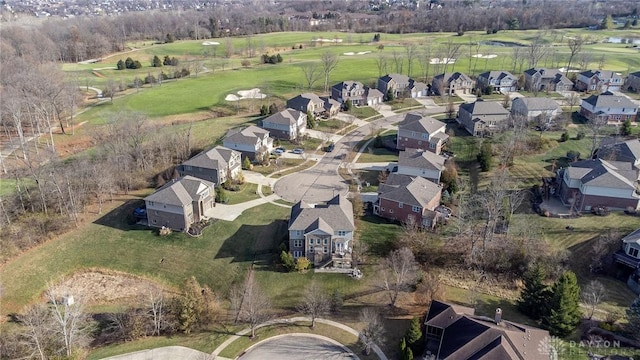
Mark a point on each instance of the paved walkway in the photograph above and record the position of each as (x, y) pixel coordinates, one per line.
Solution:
(385, 110)
(378, 166)
(346, 328)
(468, 98)
(231, 212)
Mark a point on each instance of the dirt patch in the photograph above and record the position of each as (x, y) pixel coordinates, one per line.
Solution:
(96, 287)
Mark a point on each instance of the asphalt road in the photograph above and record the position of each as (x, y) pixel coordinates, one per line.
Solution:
(297, 347)
(322, 182)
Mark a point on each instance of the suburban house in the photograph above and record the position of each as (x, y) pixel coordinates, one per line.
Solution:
(180, 203)
(593, 183)
(250, 141)
(401, 85)
(632, 82)
(543, 79)
(408, 199)
(214, 165)
(610, 108)
(417, 162)
(449, 83)
(323, 232)
(360, 95)
(626, 151)
(482, 118)
(539, 109)
(310, 102)
(599, 80)
(454, 332)
(629, 255)
(499, 81)
(421, 132)
(288, 124)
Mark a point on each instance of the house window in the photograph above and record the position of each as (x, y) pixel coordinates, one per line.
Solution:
(317, 241)
(297, 254)
(381, 208)
(633, 252)
(155, 221)
(432, 145)
(188, 168)
(299, 232)
(415, 208)
(400, 205)
(390, 211)
(156, 212)
(325, 241)
(413, 134)
(310, 241)
(150, 203)
(425, 136)
(297, 243)
(342, 233)
(325, 250)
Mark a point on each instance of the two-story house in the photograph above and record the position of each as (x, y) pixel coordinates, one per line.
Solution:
(625, 151)
(323, 233)
(499, 81)
(611, 109)
(599, 80)
(215, 165)
(401, 86)
(539, 109)
(629, 255)
(417, 162)
(421, 132)
(632, 82)
(449, 83)
(250, 141)
(408, 199)
(180, 203)
(543, 79)
(360, 95)
(482, 118)
(317, 105)
(288, 124)
(592, 183)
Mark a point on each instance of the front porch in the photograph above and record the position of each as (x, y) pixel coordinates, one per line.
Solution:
(625, 259)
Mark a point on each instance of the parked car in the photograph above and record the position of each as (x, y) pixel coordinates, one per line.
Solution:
(298, 151)
(330, 147)
(278, 151)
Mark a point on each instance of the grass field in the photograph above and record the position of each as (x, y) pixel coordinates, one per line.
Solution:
(247, 192)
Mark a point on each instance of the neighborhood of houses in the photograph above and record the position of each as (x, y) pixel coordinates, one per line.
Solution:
(411, 192)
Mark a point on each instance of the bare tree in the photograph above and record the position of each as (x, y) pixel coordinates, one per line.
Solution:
(254, 305)
(157, 310)
(573, 100)
(451, 53)
(425, 62)
(381, 63)
(69, 320)
(575, 46)
(315, 302)
(592, 295)
(373, 331)
(397, 272)
(311, 73)
(329, 63)
(37, 330)
(228, 47)
(398, 61)
(411, 51)
(536, 51)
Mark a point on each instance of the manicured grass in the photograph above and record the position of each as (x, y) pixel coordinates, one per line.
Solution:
(247, 192)
(373, 154)
(331, 125)
(218, 258)
(363, 112)
(379, 234)
(283, 164)
(404, 104)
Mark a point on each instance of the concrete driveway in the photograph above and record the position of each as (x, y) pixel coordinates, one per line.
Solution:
(298, 347)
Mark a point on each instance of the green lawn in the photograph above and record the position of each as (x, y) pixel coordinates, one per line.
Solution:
(379, 234)
(373, 154)
(401, 104)
(331, 125)
(247, 192)
(363, 112)
(282, 164)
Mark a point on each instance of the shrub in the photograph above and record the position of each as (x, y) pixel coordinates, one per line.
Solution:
(564, 137)
(302, 264)
(287, 260)
(573, 155)
(580, 135)
(245, 63)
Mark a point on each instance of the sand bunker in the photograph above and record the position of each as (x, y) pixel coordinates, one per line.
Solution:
(246, 94)
(442, 61)
(480, 56)
(564, 70)
(210, 43)
(328, 40)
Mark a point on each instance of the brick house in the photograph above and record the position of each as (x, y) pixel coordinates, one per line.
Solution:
(323, 232)
(499, 81)
(421, 132)
(408, 199)
(449, 83)
(417, 162)
(401, 86)
(214, 165)
(595, 182)
(543, 79)
(482, 118)
(287, 124)
(180, 203)
(611, 109)
(360, 95)
(599, 81)
(250, 141)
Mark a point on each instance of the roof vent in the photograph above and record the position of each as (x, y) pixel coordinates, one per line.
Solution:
(498, 317)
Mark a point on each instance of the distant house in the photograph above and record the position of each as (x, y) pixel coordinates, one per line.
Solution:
(310, 102)
(629, 255)
(417, 162)
(625, 151)
(632, 82)
(592, 183)
(421, 132)
(288, 124)
(250, 141)
(482, 118)
(323, 232)
(499, 81)
(599, 80)
(180, 203)
(611, 109)
(539, 109)
(454, 332)
(214, 165)
(449, 83)
(543, 79)
(408, 199)
(401, 85)
(360, 95)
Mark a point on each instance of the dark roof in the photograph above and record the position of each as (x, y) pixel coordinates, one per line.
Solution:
(467, 336)
(633, 238)
(285, 117)
(449, 77)
(626, 151)
(610, 101)
(248, 135)
(336, 214)
(180, 192)
(554, 75)
(214, 158)
(602, 173)
(602, 74)
(410, 190)
(497, 74)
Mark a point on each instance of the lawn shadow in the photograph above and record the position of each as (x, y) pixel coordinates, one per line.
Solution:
(384, 240)
(254, 242)
(122, 217)
(486, 306)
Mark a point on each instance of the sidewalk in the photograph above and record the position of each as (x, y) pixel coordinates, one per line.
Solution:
(164, 353)
(231, 212)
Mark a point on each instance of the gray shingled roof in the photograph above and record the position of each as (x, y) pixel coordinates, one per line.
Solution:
(633, 238)
(555, 75)
(628, 151)
(448, 77)
(420, 123)
(180, 192)
(248, 135)
(497, 74)
(602, 74)
(399, 78)
(416, 158)
(480, 108)
(538, 103)
(337, 214)
(215, 158)
(602, 173)
(285, 117)
(610, 101)
(410, 190)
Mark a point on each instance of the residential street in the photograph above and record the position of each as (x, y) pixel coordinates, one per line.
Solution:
(299, 347)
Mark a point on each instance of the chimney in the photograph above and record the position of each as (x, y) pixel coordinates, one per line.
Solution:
(498, 317)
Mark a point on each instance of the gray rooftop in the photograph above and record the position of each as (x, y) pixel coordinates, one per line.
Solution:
(538, 103)
(610, 101)
(248, 135)
(449, 77)
(602, 173)
(628, 151)
(285, 117)
(336, 214)
(602, 74)
(420, 123)
(410, 190)
(633, 238)
(417, 158)
(498, 74)
(180, 192)
(479, 108)
(214, 158)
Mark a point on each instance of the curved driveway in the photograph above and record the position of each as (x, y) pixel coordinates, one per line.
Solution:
(321, 182)
(298, 347)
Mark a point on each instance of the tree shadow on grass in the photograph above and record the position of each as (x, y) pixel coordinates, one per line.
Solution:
(122, 217)
(253, 242)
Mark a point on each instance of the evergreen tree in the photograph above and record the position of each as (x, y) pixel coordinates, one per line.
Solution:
(273, 109)
(607, 23)
(626, 128)
(633, 317)
(564, 306)
(221, 195)
(120, 65)
(167, 60)
(278, 58)
(246, 164)
(634, 22)
(287, 260)
(136, 65)
(347, 105)
(533, 297)
(156, 61)
(414, 334)
(128, 63)
(264, 110)
(311, 120)
(484, 158)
